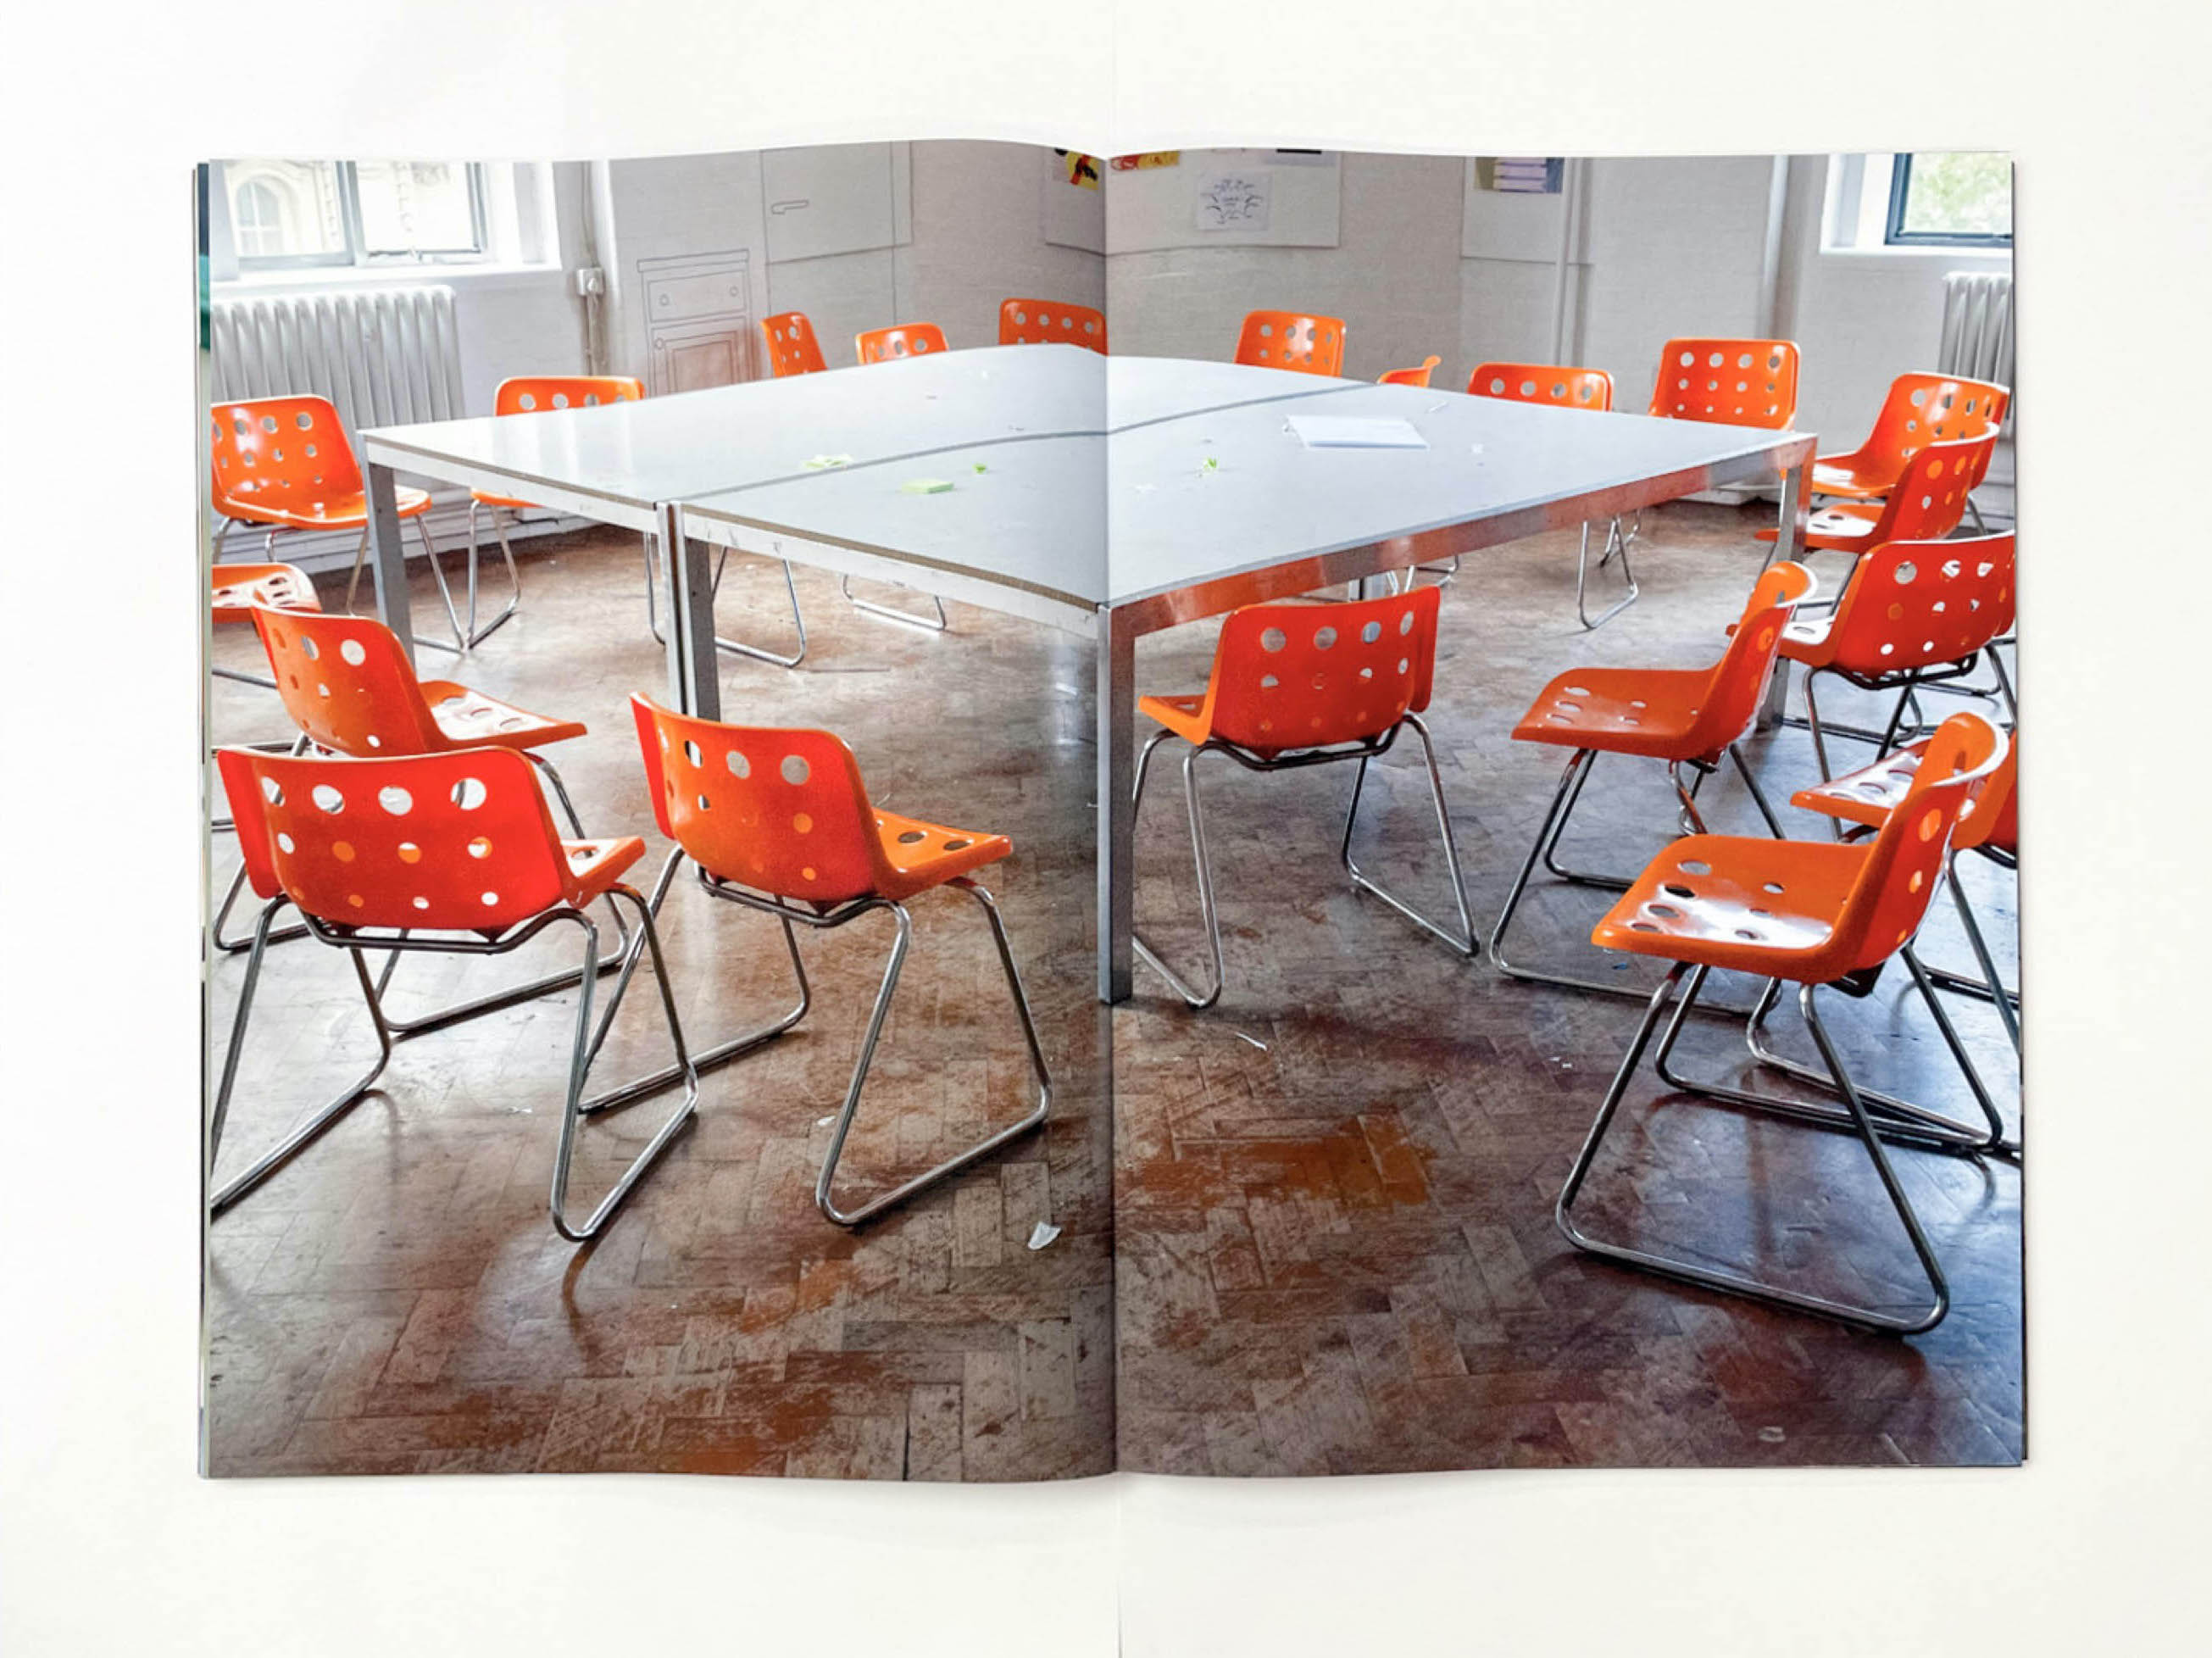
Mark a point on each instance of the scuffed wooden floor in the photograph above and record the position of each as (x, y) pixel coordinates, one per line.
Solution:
(1334, 1196)
(395, 1300)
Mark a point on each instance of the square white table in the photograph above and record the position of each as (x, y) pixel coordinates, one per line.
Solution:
(1083, 497)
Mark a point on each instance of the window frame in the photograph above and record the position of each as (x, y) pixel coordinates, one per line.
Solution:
(1894, 234)
(355, 255)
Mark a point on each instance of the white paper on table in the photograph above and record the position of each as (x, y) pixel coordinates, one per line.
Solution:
(1349, 432)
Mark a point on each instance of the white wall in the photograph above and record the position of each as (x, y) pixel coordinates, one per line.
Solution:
(977, 239)
(1393, 276)
(1861, 316)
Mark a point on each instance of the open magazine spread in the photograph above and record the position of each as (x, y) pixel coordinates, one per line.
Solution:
(965, 811)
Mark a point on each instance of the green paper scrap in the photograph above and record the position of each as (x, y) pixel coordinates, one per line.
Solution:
(1211, 463)
(925, 486)
(830, 461)
(981, 467)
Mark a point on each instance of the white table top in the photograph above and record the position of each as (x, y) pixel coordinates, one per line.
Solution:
(1095, 489)
(638, 454)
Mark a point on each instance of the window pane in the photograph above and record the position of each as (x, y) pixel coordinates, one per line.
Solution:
(285, 210)
(416, 207)
(1958, 193)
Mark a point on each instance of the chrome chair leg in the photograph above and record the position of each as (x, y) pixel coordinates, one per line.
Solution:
(734, 647)
(1991, 986)
(1545, 850)
(1197, 1000)
(458, 643)
(308, 1127)
(900, 1193)
(1739, 1283)
(890, 613)
(1905, 1122)
(474, 635)
(720, 1053)
(1615, 542)
(1464, 940)
(585, 1050)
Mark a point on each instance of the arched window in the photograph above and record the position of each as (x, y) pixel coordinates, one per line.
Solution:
(256, 221)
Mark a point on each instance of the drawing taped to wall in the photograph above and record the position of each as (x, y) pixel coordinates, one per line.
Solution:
(1234, 200)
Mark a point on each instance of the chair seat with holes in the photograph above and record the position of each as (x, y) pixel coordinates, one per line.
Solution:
(923, 855)
(1739, 903)
(469, 719)
(1652, 712)
(1868, 795)
(1844, 527)
(348, 511)
(237, 588)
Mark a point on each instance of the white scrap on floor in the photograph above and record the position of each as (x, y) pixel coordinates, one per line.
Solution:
(1042, 1234)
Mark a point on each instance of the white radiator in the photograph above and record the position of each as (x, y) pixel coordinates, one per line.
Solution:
(1978, 336)
(386, 356)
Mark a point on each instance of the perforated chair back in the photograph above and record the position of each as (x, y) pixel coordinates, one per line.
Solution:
(1891, 892)
(1540, 382)
(1730, 382)
(1917, 603)
(780, 811)
(1410, 376)
(911, 339)
(1051, 322)
(1293, 340)
(1740, 678)
(1930, 498)
(1923, 409)
(531, 394)
(347, 684)
(791, 347)
(275, 459)
(459, 842)
(1309, 675)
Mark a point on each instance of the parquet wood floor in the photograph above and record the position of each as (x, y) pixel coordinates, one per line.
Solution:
(1333, 1191)
(395, 1300)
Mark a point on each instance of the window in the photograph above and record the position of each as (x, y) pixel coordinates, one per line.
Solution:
(355, 212)
(1950, 198)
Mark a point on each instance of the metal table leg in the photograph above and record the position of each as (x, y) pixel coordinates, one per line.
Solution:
(1117, 813)
(1789, 545)
(387, 560)
(694, 680)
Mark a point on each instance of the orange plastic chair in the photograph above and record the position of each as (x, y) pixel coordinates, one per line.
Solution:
(1914, 613)
(1682, 716)
(1731, 382)
(1927, 506)
(1815, 913)
(530, 394)
(911, 339)
(451, 854)
(1051, 322)
(1410, 376)
(1867, 796)
(284, 463)
(1291, 340)
(1306, 685)
(1543, 382)
(1919, 409)
(352, 691)
(780, 822)
(1565, 387)
(793, 347)
(235, 589)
